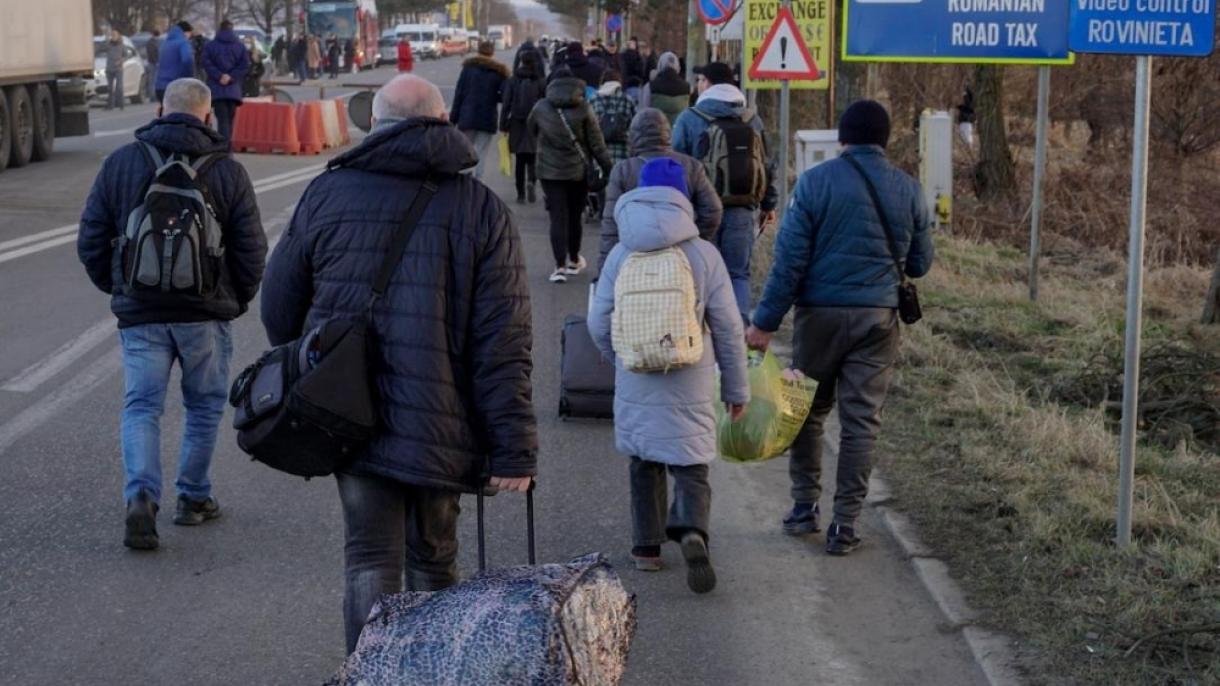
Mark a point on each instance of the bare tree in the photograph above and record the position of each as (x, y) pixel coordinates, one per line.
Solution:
(1211, 309)
(263, 13)
(1184, 104)
(994, 175)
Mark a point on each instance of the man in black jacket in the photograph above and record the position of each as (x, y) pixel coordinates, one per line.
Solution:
(156, 328)
(454, 338)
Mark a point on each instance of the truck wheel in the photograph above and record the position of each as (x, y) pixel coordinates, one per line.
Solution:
(44, 122)
(21, 120)
(6, 134)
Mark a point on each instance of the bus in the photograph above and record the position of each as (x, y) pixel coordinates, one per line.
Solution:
(354, 20)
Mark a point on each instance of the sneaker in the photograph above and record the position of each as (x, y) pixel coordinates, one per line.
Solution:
(529, 191)
(700, 576)
(141, 522)
(577, 266)
(560, 275)
(195, 512)
(802, 520)
(841, 540)
(647, 558)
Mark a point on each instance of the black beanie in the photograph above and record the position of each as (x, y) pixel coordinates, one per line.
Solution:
(865, 123)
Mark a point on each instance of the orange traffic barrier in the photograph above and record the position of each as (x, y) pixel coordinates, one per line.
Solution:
(344, 132)
(311, 131)
(265, 127)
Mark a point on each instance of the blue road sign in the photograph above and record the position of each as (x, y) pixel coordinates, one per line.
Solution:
(716, 11)
(975, 31)
(1185, 28)
(614, 23)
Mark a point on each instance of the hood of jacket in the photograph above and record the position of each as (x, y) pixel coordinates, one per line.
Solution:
(182, 133)
(654, 217)
(485, 62)
(576, 60)
(412, 147)
(720, 104)
(227, 36)
(650, 132)
(175, 34)
(610, 88)
(566, 91)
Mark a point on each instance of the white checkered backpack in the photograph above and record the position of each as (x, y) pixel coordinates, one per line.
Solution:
(656, 324)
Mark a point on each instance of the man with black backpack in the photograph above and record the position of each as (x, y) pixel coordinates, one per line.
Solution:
(731, 142)
(171, 231)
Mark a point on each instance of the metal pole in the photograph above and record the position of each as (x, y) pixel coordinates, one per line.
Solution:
(784, 101)
(1135, 297)
(694, 42)
(1035, 222)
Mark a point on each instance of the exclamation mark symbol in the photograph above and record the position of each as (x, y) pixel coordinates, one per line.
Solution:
(783, 52)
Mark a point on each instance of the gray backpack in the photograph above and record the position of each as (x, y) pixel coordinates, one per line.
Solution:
(172, 243)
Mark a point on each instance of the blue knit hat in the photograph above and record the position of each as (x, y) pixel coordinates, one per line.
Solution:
(664, 171)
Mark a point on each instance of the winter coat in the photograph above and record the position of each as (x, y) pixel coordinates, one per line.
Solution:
(583, 69)
(558, 156)
(177, 59)
(633, 67)
(406, 59)
(119, 189)
(153, 50)
(723, 101)
(313, 53)
(668, 92)
(832, 249)
(529, 46)
(479, 89)
(226, 55)
(650, 140)
(297, 51)
(454, 331)
(671, 417)
(114, 56)
(610, 100)
(521, 93)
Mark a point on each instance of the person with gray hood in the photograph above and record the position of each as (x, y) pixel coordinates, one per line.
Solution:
(649, 140)
(667, 91)
(666, 421)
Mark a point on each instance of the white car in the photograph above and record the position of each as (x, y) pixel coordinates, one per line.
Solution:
(135, 74)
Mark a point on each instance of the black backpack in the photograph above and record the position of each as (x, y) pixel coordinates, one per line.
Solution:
(735, 158)
(309, 407)
(173, 241)
(614, 123)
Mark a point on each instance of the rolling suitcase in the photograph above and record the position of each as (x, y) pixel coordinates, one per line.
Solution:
(544, 625)
(586, 379)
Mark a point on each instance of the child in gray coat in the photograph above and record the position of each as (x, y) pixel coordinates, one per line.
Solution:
(667, 420)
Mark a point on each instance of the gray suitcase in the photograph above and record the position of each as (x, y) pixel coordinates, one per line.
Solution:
(586, 379)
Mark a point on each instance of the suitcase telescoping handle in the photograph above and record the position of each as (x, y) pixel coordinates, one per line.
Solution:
(486, 490)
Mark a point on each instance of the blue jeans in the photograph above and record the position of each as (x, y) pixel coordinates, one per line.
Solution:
(202, 350)
(736, 243)
(114, 82)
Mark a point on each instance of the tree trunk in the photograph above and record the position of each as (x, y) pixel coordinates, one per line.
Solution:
(1211, 309)
(994, 175)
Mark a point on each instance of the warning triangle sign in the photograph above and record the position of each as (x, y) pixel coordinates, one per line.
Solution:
(784, 54)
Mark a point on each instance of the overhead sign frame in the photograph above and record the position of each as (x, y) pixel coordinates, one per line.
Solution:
(847, 56)
(800, 51)
(715, 11)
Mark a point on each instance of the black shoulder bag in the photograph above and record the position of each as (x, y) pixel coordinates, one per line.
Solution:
(909, 310)
(310, 406)
(594, 178)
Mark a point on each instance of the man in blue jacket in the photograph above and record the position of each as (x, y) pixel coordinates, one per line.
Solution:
(226, 62)
(156, 328)
(476, 101)
(833, 260)
(719, 98)
(176, 57)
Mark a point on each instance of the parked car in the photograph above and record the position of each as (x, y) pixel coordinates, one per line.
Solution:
(135, 74)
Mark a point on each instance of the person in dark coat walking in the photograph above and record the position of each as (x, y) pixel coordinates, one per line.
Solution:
(833, 260)
(298, 58)
(581, 67)
(177, 57)
(667, 91)
(526, 87)
(153, 51)
(156, 328)
(349, 55)
(568, 135)
(279, 50)
(226, 62)
(334, 53)
(480, 88)
(529, 46)
(454, 357)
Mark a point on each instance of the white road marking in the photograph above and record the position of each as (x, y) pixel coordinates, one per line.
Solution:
(119, 132)
(35, 237)
(68, 394)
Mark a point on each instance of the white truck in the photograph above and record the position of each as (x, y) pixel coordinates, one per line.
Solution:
(46, 53)
(501, 35)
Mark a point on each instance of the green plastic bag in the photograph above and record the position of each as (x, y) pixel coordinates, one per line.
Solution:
(779, 403)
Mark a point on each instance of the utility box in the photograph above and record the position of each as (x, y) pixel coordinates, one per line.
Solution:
(936, 164)
(815, 146)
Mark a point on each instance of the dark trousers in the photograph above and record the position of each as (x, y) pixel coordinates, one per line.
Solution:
(225, 111)
(691, 508)
(392, 528)
(526, 171)
(851, 352)
(114, 82)
(160, 93)
(565, 201)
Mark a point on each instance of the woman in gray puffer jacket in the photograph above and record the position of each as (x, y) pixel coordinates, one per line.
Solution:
(667, 421)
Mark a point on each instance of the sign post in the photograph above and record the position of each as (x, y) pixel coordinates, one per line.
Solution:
(1035, 221)
(1183, 29)
(784, 56)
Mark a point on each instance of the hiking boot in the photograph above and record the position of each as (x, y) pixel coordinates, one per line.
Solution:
(841, 540)
(700, 576)
(560, 275)
(576, 266)
(195, 512)
(647, 558)
(529, 191)
(141, 531)
(802, 520)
